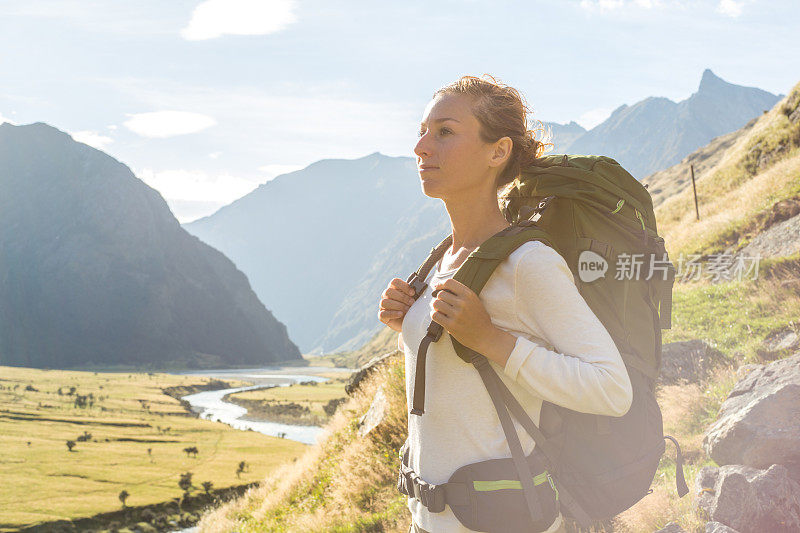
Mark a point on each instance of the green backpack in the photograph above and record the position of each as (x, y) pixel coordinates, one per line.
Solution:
(599, 218)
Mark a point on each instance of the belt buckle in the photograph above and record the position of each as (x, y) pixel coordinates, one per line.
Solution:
(401, 482)
(415, 489)
(422, 488)
(432, 496)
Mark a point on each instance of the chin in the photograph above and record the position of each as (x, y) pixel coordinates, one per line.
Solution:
(430, 189)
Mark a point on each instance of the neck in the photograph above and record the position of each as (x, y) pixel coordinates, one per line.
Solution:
(472, 222)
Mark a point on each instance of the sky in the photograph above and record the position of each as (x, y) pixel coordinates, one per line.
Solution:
(207, 99)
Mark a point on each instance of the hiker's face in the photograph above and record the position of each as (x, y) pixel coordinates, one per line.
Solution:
(459, 159)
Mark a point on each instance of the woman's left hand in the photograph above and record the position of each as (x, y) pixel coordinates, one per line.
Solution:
(462, 314)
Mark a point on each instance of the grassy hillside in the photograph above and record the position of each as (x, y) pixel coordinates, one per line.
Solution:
(761, 168)
(347, 482)
(670, 181)
(137, 437)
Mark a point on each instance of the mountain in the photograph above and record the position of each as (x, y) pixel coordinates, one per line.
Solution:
(656, 133)
(671, 181)
(95, 269)
(324, 241)
(563, 135)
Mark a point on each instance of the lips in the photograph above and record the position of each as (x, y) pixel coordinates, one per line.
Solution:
(427, 167)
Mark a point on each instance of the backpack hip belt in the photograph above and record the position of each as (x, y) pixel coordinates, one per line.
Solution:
(487, 495)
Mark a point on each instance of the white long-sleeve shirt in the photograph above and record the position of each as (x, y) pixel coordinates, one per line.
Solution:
(563, 354)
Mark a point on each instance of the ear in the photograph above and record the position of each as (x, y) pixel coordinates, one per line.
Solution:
(501, 151)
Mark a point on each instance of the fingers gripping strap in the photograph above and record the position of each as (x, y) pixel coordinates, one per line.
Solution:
(523, 469)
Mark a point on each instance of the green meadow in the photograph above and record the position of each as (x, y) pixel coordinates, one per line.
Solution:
(128, 436)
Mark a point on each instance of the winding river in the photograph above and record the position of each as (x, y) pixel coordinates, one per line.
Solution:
(209, 404)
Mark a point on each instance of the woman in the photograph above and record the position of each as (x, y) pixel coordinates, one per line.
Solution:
(530, 321)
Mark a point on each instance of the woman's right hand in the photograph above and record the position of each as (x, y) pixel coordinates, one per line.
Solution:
(395, 302)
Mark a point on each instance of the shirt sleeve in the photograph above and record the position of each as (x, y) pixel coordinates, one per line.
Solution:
(585, 371)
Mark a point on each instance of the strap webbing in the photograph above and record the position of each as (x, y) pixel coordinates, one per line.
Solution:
(417, 278)
(680, 480)
(432, 335)
(520, 462)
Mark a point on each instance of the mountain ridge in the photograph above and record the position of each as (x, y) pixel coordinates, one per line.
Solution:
(96, 270)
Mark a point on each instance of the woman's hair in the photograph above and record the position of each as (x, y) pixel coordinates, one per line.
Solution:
(502, 112)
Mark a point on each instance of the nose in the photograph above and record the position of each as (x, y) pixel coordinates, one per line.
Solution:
(421, 149)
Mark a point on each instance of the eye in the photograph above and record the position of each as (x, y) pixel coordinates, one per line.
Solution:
(442, 131)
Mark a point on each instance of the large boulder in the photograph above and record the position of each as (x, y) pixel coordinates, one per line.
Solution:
(759, 423)
(748, 499)
(687, 361)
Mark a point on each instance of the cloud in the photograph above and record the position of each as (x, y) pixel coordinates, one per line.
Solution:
(161, 124)
(92, 138)
(6, 119)
(731, 8)
(593, 117)
(215, 18)
(181, 187)
(285, 123)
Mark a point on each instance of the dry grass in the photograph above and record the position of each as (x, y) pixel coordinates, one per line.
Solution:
(345, 483)
(720, 213)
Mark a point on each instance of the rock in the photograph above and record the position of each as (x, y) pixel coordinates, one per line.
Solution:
(374, 415)
(144, 527)
(687, 361)
(356, 377)
(780, 240)
(672, 527)
(758, 424)
(743, 370)
(719, 527)
(779, 344)
(748, 499)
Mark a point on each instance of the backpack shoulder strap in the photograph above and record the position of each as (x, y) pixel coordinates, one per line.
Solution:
(482, 262)
(418, 277)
